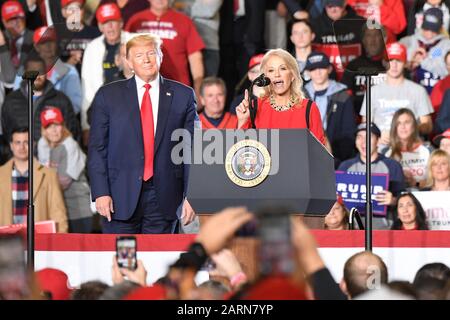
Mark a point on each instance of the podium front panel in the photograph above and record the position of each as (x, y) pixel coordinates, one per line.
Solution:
(304, 181)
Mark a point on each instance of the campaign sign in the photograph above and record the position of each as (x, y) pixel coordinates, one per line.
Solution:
(339, 56)
(437, 208)
(352, 187)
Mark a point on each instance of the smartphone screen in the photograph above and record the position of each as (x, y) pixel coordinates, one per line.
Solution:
(14, 281)
(276, 252)
(126, 252)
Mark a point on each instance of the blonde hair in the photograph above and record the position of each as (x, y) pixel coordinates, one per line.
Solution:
(297, 84)
(438, 153)
(65, 134)
(145, 39)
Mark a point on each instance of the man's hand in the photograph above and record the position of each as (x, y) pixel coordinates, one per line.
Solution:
(385, 198)
(227, 264)
(220, 228)
(104, 206)
(306, 245)
(188, 214)
(385, 138)
(138, 276)
(242, 111)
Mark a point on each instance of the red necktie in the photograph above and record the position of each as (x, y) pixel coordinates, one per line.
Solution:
(235, 6)
(14, 53)
(147, 132)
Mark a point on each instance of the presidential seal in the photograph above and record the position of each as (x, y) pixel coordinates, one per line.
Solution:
(248, 163)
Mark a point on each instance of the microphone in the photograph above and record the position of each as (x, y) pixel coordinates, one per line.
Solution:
(261, 81)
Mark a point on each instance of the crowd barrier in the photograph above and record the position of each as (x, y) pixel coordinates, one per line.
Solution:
(87, 257)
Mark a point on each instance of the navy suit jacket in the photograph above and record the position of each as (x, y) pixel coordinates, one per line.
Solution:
(116, 151)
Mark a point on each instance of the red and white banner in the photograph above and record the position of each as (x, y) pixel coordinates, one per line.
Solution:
(437, 208)
(89, 257)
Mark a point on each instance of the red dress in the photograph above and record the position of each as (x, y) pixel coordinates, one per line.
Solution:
(229, 121)
(294, 118)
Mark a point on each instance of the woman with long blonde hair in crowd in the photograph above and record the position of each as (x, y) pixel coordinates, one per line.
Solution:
(438, 170)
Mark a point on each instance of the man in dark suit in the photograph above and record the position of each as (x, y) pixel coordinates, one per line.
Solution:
(134, 182)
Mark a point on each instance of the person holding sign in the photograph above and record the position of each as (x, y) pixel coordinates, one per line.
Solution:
(406, 147)
(380, 164)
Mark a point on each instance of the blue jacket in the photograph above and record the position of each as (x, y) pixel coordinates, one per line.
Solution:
(339, 119)
(116, 150)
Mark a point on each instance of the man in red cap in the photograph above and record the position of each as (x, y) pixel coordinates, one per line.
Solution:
(182, 44)
(395, 93)
(100, 65)
(82, 35)
(18, 39)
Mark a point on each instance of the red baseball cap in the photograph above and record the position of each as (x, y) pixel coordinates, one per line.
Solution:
(44, 34)
(67, 2)
(54, 281)
(12, 9)
(255, 60)
(51, 115)
(396, 51)
(107, 12)
(444, 135)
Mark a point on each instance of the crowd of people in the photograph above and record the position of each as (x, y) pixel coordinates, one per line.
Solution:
(218, 48)
(292, 270)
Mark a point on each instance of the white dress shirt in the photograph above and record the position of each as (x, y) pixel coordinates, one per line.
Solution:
(154, 96)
